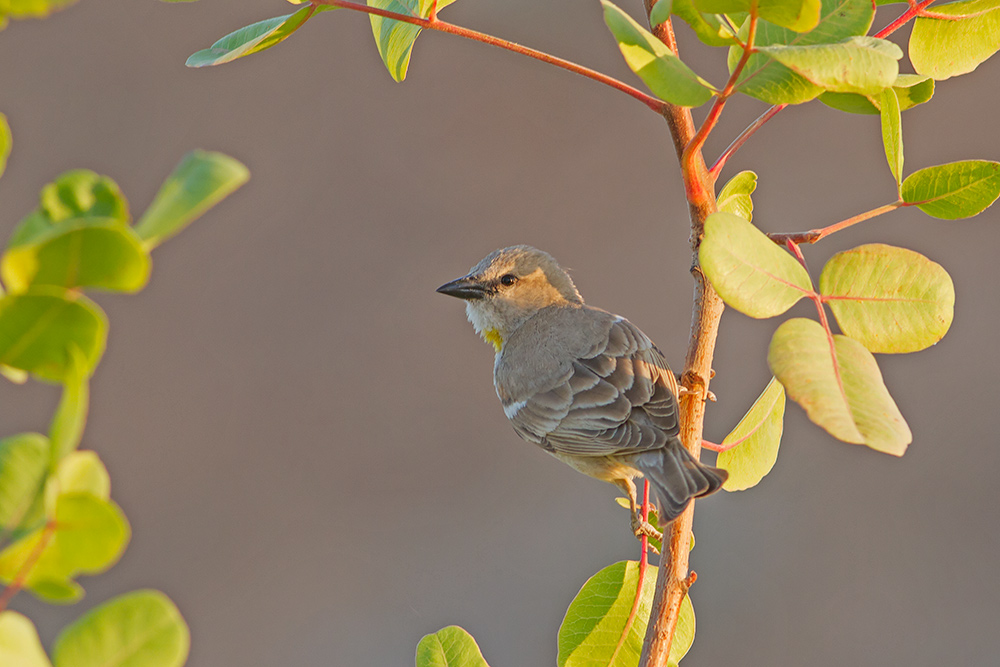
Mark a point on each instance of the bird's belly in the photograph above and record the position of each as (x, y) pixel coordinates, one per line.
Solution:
(604, 468)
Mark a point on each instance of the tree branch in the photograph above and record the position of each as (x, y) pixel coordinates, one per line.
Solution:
(434, 23)
(816, 234)
(673, 578)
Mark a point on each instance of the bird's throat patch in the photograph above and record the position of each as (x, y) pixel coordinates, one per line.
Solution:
(493, 336)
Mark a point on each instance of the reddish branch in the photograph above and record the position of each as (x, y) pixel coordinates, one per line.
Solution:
(816, 234)
(434, 23)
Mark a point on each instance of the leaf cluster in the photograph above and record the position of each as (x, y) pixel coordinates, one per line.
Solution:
(57, 519)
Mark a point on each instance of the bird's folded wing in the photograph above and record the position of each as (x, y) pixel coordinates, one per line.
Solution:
(618, 401)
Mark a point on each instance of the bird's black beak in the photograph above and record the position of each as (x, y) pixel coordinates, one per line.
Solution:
(464, 288)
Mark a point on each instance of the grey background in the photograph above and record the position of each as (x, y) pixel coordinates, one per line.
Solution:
(305, 436)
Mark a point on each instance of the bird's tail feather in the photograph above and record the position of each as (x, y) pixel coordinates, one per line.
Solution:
(675, 477)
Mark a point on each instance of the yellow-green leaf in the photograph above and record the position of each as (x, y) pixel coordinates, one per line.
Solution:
(891, 300)
(449, 647)
(839, 386)
(754, 442)
(748, 270)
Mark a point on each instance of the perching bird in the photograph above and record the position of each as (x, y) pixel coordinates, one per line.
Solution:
(585, 385)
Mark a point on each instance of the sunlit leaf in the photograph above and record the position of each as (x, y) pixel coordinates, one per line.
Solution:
(79, 193)
(774, 83)
(840, 386)
(892, 133)
(139, 629)
(84, 535)
(449, 647)
(910, 89)
(709, 28)
(758, 435)
(199, 182)
(662, 71)
(889, 299)
(943, 48)
(82, 252)
(660, 13)
(797, 15)
(38, 327)
(24, 462)
(38, 9)
(734, 197)
(395, 38)
(252, 39)
(5, 142)
(955, 190)
(77, 472)
(19, 643)
(596, 619)
(862, 65)
(748, 270)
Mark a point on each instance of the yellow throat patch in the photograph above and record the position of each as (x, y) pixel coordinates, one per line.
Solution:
(493, 336)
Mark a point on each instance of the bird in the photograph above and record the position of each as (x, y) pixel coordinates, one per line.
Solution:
(585, 385)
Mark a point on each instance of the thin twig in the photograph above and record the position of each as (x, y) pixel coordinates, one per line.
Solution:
(435, 23)
(814, 235)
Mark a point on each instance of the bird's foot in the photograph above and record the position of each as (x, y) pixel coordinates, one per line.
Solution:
(641, 527)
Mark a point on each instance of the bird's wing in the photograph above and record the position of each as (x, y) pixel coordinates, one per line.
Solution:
(620, 400)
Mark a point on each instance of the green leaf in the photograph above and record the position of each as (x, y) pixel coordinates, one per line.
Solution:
(39, 9)
(5, 142)
(774, 83)
(24, 460)
(748, 270)
(891, 300)
(38, 327)
(199, 182)
(82, 252)
(61, 591)
(797, 15)
(663, 72)
(84, 535)
(841, 389)
(70, 418)
(709, 28)
(449, 647)
(394, 38)
(139, 629)
(251, 39)
(78, 472)
(596, 620)
(79, 193)
(892, 133)
(911, 90)
(734, 197)
(660, 13)
(755, 440)
(19, 643)
(955, 190)
(944, 48)
(862, 65)
(15, 375)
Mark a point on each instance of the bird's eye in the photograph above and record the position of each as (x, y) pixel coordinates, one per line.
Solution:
(508, 279)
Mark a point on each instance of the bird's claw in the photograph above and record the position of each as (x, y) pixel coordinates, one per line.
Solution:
(641, 527)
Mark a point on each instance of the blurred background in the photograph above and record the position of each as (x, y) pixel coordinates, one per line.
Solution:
(305, 437)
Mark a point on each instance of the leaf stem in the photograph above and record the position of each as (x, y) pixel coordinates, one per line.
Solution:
(434, 23)
(814, 235)
(696, 144)
(673, 577)
(27, 566)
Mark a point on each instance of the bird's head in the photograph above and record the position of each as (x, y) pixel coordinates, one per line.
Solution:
(507, 287)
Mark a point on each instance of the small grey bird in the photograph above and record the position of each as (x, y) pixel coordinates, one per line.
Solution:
(585, 385)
